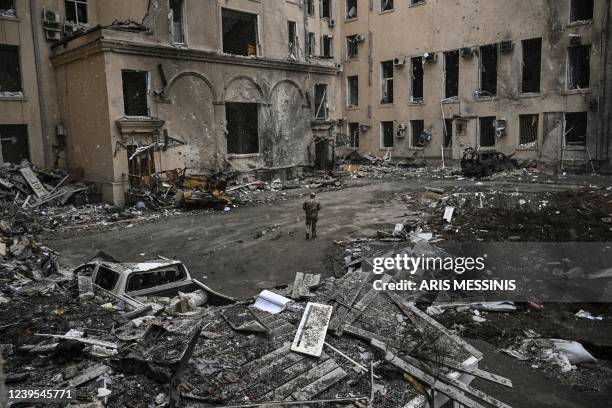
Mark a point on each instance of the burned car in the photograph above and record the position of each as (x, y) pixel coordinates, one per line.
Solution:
(482, 163)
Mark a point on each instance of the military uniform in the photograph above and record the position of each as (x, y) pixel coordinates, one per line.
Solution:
(312, 209)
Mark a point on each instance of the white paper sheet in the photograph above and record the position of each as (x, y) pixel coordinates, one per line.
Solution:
(271, 302)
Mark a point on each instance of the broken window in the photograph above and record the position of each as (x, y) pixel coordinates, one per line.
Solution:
(10, 71)
(106, 278)
(311, 44)
(242, 127)
(352, 46)
(576, 128)
(326, 9)
(528, 133)
(310, 7)
(353, 134)
(327, 46)
(416, 128)
(7, 8)
(581, 10)
(386, 5)
(448, 133)
(14, 143)
(321, 101)
(487, 131)
(351, 9)
(239, 32)
(532, 61)
(579, 67)
(293, 46)
(488, 70)
(386, 68)
(415, 2)
(135, 87)
(386, 134)
(140, 163)
(451, 74)
(175, 20)
(76, 11)
(353, 90)
(147, 280)
(417, 78)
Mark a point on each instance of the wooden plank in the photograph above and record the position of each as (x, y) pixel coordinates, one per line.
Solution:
(368, 336)
(89, 375)
(297, 286)
(279, 364)
(346, 301)
(476, 372)
(267, 358)
(310, 336)
(94, 342)
(6, 184)
(301, 381)
(319, 385)
(33, 181)
(468, 347)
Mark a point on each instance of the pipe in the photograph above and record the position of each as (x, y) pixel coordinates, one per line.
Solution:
(39, 82)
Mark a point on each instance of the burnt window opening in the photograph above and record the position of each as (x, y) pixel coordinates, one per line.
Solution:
(576, 128)
(386, 5)
(581, 10)
(326, 9)
(488, 70)
(386, 134)
(532, 63)
(175, 20)
(352, 83)
(487, 131)
(416, 128)
(7, 8)
(10, 70)
(415, 2)
(327, 46)
(106, 278)
(239, 32)
(310, 7)
(311, 44)
(14, 145)
(293, 39)
(448, 133)
(386, 69)
(147, 280)
(352, 46)
(76, 11)
(417, 78)
(353, 134)
(242, 127)
(135, 87)
(451, 74)
(351, 9)
(528, 129)
(320, 101)
(140, 164)
(578, 67)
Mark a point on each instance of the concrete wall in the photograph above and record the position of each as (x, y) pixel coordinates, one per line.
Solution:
(438, 26)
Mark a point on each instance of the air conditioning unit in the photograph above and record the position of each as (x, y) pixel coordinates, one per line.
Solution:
(575, 39)
(506, 47)
(70, 28)
(331, 22)
(360, 38)
(424, 137)
(401, 130)
(429, 57)
(500, 127)
(53, 35)
(399, 61)
(50, 17)
(466, 52)
(402, 126)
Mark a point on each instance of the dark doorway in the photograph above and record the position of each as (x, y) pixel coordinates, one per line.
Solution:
(242, 127)
(323, 155)
(14, 140)
(239, 32)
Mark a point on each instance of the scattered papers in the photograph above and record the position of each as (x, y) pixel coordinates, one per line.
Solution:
(271, 302)
(448, 214)
(587, 315)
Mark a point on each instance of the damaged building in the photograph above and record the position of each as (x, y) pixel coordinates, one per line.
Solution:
(118, 92)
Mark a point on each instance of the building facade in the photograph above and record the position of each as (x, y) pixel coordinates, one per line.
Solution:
(116, 91)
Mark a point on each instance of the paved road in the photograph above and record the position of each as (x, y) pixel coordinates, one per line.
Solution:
(221, 248)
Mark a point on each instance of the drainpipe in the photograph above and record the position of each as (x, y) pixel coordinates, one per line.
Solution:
(39, 82)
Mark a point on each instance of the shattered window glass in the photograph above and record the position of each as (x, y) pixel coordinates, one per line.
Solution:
(106, 278)
(76, 11)
(10, 72)
(147, 280)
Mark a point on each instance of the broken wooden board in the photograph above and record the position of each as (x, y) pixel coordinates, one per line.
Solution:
(476, 372)
(303, 283)
(311, 333)
(89, 375)
(94, 342)
(298, 383)
(320, 384)
(6, 184)
(33, 181)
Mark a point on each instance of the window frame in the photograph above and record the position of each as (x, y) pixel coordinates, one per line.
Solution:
(324, 99)
(76, 11)
(522, 84)
(382, 134)
(445, 55)
(384, 83)
(346, 10)
(537, 131)
(147, 93)
(568, 65)
(480, 119)
(414, 99)
(564, 141)
(348, 91)
(352, 139)
(183, 25)
(413, 137)
(21, 92)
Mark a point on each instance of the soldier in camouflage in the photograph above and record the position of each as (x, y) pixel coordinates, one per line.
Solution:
(311, 208)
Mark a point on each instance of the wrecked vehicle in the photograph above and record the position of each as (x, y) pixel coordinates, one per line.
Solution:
(483, 163)
(159, 278)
